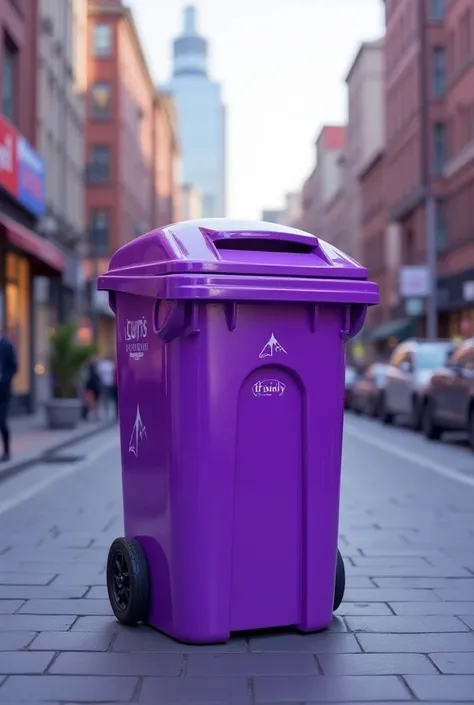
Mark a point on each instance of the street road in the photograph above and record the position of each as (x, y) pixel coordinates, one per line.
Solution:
(405, 631)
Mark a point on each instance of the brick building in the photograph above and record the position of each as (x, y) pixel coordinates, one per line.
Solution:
(456, 257)
(324, 181)
(131, 146)
(25, 254)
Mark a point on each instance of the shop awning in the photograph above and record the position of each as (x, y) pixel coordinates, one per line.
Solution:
(400, 328)
(32, 244)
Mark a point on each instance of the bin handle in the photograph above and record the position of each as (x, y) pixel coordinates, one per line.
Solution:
(174, 323)
(354, 319)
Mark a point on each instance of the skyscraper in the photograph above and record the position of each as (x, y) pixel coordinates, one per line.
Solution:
(201, 118)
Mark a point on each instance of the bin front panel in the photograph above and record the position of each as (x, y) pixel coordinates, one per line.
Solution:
(234, 490)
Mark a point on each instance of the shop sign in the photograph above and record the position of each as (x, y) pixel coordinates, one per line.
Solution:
(414, 282)
(31, 177)
(22, 170)
(8, 158)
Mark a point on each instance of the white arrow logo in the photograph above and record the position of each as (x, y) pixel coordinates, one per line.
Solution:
(273, 346)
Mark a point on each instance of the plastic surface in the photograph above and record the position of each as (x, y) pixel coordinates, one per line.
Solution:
(231, 415)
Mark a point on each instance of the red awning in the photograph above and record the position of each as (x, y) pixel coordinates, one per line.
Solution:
(32, 244)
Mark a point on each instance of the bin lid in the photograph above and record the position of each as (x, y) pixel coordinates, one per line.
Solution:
(224, 246)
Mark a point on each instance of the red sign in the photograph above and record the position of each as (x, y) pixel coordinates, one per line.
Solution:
(8, 157)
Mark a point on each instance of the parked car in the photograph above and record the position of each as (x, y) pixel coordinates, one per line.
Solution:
(449, 403)
(350, 378)
(408, 374)
(367, 390)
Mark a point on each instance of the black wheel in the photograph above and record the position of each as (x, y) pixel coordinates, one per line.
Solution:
(470, 428)
(415, 417)
(385, 415)
(127, 581)
(430, 428)
(340, 581)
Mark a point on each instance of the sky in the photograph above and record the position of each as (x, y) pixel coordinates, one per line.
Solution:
(282, 65)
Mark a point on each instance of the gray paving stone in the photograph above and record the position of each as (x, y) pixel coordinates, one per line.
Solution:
(469, 620)
(374, 664)
(387, 595)
(13, 662)
(416, 643)
(91, 689)
(427, 583)
(10, 606)
(454, 663)
(252, 664)
(306, 643)
(117, 664)
(98, 592)
(455, 594)
(11, 641)
(432, 608)
(78, 607)
(72, 641)
(199, 691)
(381, 571)
(39, 592)
(144, 639)
(26, 578)
(326, 689)
(362, 608)
(453, 688)
(97, 624)
(37, 623)
(406, 625)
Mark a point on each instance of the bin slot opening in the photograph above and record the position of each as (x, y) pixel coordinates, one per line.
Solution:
(256, 244)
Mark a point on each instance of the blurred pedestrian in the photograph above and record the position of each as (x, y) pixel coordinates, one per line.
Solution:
(106, 371)
(8, 369)
(93, 389)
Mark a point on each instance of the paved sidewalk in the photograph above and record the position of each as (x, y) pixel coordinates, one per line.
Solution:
(31, 438)
(405, 631)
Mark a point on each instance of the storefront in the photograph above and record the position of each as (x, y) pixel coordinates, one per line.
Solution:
(23, 255)
(456, 305)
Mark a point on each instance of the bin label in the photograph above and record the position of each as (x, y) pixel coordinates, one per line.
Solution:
(138, 434)
(268, 388)
(136, 333)
(272, 347)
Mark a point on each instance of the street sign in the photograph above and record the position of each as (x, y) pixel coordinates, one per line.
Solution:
(414, 281)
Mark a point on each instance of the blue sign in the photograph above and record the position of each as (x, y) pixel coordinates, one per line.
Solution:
(31, 177)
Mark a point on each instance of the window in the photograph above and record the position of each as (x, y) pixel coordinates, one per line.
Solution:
(9, 82)
(439, 72)
(439, 147)
(441, 226)
(101, 97)
(99, 236)
(102, 39)
(99, 166)
(437, 9)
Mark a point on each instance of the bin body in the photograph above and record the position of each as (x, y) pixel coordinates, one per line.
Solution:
(231, 419)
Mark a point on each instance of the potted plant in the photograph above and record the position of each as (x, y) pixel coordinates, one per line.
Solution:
(67, 359)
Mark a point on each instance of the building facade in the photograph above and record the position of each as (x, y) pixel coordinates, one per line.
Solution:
(456, 243)
(131, 148)
(365, 134)
(191, 202)
(416, 135)
(201, 118)
(62, 37)
(25, 253)
(324, 181)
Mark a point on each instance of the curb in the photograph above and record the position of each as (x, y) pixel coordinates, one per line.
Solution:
(35, 459)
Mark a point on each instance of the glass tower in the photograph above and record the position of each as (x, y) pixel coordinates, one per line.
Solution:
(201, 118)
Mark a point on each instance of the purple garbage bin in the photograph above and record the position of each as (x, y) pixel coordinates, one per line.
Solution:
(230, 347)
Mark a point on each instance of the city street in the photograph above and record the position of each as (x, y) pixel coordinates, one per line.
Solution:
(405, 631)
